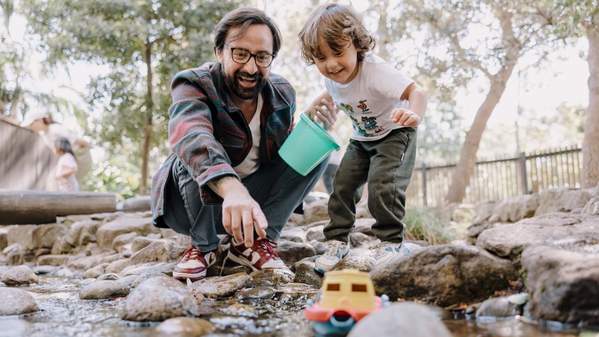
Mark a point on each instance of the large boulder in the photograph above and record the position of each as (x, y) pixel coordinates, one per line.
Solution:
(104, 289)
(18, 276)
(444, 275)
(515, 208)
(564, 283)
(32, 237)
(221, 286)
(159, 298)
(509, 240)
(16, 302)
(291, 251)
(563, 200)
(402, 319)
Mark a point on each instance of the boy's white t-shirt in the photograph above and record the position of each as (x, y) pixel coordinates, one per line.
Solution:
(370, 97)
(66, 162)
(250, 164)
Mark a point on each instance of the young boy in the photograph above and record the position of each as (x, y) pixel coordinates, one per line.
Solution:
(385, 107)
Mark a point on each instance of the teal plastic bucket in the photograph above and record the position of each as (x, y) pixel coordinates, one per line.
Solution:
(307, 146)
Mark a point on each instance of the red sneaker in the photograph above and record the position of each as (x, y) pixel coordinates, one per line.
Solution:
(262, 255)
(193, 264)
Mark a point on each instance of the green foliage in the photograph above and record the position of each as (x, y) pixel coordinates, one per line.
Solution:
(426, 225)
(144, 42)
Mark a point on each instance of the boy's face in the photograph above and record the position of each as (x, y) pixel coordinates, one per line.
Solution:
(340, 67)
(246, 80)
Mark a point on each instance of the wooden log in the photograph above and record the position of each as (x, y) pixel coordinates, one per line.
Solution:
(36, 207)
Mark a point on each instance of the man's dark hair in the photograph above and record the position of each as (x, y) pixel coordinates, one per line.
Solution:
(243, 18)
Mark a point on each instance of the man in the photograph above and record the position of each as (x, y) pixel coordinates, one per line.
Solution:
(227, 122)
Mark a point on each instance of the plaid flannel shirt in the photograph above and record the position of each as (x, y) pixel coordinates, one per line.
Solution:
(209, 134)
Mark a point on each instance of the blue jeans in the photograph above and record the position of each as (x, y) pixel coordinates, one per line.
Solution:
(277, 188)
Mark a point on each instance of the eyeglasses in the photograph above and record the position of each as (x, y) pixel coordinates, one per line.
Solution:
(243, 56)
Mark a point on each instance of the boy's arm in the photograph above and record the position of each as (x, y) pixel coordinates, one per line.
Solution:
(413, 116)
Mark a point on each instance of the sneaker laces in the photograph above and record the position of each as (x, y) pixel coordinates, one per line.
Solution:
(191, 253)
(267, 247)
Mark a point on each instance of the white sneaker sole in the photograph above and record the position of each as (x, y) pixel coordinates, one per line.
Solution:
(195, 277)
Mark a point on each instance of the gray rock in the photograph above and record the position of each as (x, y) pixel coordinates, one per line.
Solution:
(563, 284)
(185, 326)
(18, 276)
(315, 233)
(124, 224)
(484, 211)
(304, 273)
(15, 254)
(118, 265)
(149, 269)
(44, 270)
(53, 260)
(506, 306)
(558, 229)
(122, 240)
(140, 243)
(270, 277)
(96, 271)
(515, 208)
(254, 293)
(16, 302)
(444, 275)
(403, 319)
(293, 234)
(563, 200)
(103, 289)
(32, 237)
(358, 239)
(159, 298)
(358, 258)
(291, 252)
(221, 286)
(158, 251)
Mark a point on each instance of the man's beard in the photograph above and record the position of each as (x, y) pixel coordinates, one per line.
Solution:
(241, 92)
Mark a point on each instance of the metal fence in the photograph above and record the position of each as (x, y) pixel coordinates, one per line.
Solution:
(501, 178)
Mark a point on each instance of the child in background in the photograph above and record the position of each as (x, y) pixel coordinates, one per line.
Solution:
(66, 168)
(385, 107)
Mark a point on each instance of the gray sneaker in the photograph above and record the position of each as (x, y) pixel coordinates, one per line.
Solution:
(393, 250)
(337, 251)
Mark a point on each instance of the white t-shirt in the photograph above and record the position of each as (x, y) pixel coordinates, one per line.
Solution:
(370, 97)
(250, 164)
(66, 162)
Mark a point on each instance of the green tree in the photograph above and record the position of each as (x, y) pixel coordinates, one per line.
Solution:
(144, 42)
(575, 18)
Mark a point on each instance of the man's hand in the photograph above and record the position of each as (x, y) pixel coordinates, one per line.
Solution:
(405, 117)
(323, 110)
(241, 213)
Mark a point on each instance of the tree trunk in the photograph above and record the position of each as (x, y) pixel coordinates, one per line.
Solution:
(465, 167)
(32, 207)
(148, 128)
(590, 143)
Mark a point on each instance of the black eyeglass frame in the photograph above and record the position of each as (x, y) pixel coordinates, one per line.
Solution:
(255, 56)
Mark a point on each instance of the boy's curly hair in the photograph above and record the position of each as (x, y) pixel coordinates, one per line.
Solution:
(337, 25)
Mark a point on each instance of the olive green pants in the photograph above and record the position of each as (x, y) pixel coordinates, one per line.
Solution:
(386, 165)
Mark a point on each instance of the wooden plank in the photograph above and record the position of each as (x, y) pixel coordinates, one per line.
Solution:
(35, 207)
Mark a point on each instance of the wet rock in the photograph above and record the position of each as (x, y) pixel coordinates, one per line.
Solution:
(18, 276)
(221, 286)
(185, 327)
(44, 270)
(240, 310)
(304, 273)
(124, 224)
(319, 247)
(291, 252)
(53, 260)
(16, 302)
(502, 306)
(296, 292)
(444, 275)
(85, 262)
(358, 258)
(66, 273)
(15, 254)
(255, 293)
(315, 233)
(403, 319)
(316, 211)
(563, 284)
(159, 298)
(272, 276)
(103, 289)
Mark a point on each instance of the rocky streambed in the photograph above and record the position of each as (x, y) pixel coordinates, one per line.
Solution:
(528, 268)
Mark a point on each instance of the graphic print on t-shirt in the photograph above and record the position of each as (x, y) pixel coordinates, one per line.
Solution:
(366, 125)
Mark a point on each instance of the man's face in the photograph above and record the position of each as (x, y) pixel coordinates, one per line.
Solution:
(246, 80)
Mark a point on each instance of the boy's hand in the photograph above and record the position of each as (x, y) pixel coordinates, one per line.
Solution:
(323, 110)
(405, 117)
